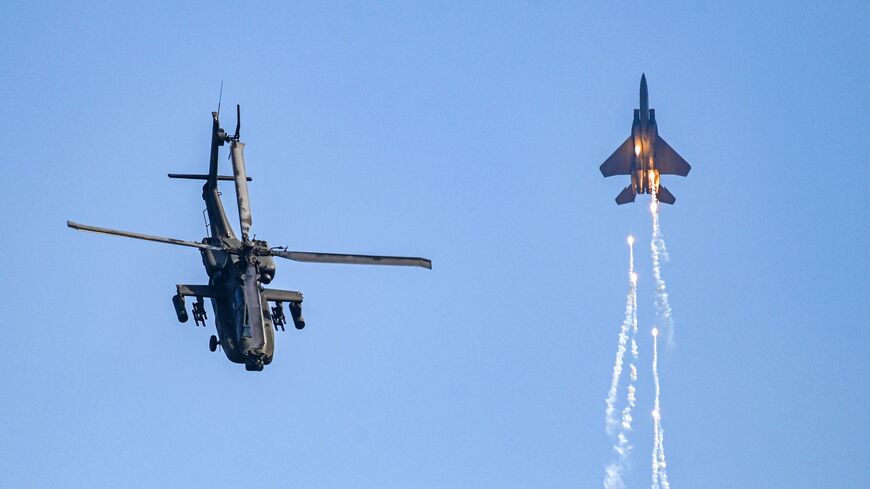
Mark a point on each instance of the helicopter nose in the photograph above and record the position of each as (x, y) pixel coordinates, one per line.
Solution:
(254, 360)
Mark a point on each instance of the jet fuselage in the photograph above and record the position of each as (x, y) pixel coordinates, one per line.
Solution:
(644, 132)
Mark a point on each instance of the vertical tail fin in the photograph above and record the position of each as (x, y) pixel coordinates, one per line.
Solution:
(627, 195)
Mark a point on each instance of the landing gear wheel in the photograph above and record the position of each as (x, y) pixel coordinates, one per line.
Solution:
(213, 343)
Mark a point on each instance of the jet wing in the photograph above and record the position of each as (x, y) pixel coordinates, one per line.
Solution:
(668, 161)
(619, 162)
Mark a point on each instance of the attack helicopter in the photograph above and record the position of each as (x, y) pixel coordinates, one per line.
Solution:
(239, 268)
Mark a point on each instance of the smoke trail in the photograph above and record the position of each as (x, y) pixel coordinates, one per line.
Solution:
(630, 313)
(623, 447)
(628, 330)
(659, 463)
(659, 253)
(632, 376)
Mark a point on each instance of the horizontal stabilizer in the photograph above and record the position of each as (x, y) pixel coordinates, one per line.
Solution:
(191, 176)
(627, 195)
(665, 196)
(668, 161)
(619, 162)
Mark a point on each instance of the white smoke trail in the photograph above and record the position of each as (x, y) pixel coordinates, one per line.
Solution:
(623, 447)
(632, 376)
(659, 253)
(628, 330)
(630, 313)
(659, 463)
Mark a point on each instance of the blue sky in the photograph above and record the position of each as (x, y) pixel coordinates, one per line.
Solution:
(470, 134)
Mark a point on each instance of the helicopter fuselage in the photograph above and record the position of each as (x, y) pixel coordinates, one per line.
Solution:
(243, 318)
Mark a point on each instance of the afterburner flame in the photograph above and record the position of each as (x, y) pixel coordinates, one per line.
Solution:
(651, 178)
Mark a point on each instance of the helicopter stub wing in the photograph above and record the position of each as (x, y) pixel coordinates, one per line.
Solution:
(313, 257)
(199, 291)
(147, 237)
(275, 295)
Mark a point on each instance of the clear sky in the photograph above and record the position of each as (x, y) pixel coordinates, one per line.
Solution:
(470, 134)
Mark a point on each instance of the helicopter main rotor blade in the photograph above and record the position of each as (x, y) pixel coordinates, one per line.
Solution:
(241, 177)
(147, 237)
(401, 261)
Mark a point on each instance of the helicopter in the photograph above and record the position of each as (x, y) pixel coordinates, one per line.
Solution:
(238, 269)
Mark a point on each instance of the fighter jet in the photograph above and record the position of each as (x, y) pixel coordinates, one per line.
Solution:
(645, 156)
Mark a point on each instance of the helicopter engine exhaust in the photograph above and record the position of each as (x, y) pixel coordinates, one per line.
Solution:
(266, 267)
